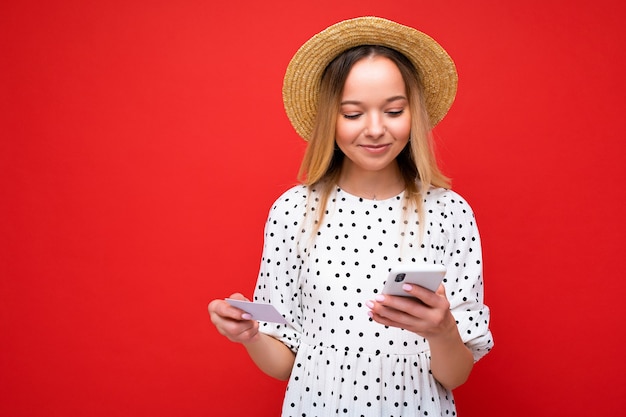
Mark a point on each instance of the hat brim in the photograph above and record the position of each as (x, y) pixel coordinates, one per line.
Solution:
(301, 84)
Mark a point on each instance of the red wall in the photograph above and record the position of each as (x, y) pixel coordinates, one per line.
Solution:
(142, 143)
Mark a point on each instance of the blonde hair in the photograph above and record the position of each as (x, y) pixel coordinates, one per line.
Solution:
(321, 165)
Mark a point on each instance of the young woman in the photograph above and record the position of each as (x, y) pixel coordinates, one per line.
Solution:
(365, 93)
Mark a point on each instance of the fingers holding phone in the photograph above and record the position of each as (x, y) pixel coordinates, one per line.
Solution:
(413, 298)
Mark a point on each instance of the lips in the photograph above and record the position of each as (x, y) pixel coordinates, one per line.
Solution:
(375, 148)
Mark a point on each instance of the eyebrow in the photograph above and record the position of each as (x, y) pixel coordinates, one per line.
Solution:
(389, 100)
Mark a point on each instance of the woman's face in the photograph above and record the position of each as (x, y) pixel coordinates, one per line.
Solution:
(374, 121)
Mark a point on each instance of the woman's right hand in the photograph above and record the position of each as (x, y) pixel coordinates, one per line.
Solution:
(271, 355)
(233, 322)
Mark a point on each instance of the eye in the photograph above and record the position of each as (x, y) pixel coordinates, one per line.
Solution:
(395, 113)
(351, 116)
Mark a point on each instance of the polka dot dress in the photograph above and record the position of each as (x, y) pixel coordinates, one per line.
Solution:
(347, 364)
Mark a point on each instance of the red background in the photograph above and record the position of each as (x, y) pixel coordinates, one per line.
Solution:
(143, 142)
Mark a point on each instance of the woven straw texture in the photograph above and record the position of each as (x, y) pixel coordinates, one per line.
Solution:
(302, 78)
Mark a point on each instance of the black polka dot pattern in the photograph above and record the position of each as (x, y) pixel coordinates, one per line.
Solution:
(347, 364)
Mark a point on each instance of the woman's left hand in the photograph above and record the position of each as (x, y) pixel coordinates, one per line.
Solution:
(428, 314)
(425, 312)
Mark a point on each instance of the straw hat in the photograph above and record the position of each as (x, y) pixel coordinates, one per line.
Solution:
(302, 79)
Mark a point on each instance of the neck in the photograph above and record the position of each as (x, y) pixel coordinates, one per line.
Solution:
(372, 185)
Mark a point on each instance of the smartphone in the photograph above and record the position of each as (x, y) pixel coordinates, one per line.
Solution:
(425, 275)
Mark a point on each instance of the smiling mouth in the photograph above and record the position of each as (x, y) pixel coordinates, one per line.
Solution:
(375, 148)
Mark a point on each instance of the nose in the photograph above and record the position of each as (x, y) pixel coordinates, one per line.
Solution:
(375, 127)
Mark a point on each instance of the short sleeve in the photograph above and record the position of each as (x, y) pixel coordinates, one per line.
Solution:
(464, 276)
(281, 264)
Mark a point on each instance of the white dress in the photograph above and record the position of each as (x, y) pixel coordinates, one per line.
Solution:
(346, 364)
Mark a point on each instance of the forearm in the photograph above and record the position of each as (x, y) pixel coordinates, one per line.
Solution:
(451, 361)
(271, 356)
